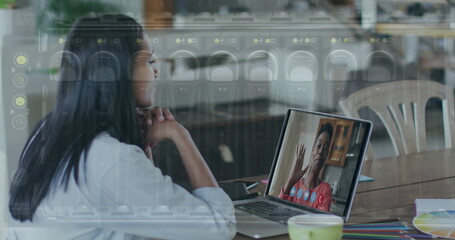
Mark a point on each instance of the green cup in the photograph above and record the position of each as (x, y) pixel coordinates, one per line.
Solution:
(315, 227)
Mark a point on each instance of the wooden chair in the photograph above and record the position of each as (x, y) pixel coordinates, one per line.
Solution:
(400, 105)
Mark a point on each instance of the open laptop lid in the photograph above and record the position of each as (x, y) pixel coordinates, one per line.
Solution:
(340, 140)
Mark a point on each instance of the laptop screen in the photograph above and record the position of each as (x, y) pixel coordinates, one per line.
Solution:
(318, 160)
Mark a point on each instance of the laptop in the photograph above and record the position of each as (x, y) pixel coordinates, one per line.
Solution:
(316, 169)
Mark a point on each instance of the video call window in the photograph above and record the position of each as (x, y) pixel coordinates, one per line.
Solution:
(317, 161)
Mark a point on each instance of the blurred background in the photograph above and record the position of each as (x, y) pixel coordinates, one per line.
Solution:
(230, 69)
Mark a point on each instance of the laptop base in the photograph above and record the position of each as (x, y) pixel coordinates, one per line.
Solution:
(258, 227)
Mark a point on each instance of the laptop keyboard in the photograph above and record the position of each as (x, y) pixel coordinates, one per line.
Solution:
(267, 210)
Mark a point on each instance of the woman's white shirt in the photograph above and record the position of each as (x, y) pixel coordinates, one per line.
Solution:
(122, 195)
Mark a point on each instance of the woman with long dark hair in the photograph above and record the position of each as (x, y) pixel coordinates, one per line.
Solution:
(86, 170)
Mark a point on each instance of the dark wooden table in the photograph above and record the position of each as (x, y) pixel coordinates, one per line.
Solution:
(398, 181)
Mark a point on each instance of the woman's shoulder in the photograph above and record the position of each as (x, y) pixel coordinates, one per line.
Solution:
(104, 142)
(105, 145)
(106, 151)
(324, 186)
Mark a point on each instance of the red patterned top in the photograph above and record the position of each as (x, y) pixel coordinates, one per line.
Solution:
(319, 197)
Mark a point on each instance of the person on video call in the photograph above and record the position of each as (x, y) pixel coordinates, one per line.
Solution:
(310, 190)
(92, 152)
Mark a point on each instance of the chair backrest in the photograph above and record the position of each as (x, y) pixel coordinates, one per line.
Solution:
(400, 105)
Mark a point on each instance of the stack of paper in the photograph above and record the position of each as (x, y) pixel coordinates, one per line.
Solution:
(431, 205)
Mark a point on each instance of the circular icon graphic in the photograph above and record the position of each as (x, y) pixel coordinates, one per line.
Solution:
(302, 66)
(72, 66)
(293, 190)
(20, 80)
(21, 59)
(380, 62)
(222, 66)
(186, 66)
(299, 193)
(313, 197)
(19, 122)
(19, 101)
(306, 195)
(340, 65)
(261, 66)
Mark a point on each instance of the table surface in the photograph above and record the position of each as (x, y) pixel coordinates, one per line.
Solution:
(398, 181)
